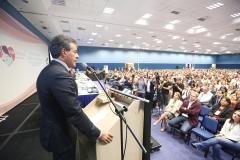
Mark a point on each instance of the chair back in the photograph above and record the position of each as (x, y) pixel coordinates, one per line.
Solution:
(210, 124)
(204, 110)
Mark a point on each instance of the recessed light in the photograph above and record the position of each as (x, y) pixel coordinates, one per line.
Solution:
(110, 40)
(138, 37)
(118, 35)
(216, 43)
(99, 25)
(175, 21)
(147, 15)
(169, 27)
(94, 33)
(108, 10)
(141, 22)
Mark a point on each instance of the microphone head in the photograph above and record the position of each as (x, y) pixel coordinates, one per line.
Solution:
(84, 66)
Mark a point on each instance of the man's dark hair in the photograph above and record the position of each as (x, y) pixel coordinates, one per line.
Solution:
(58, 43)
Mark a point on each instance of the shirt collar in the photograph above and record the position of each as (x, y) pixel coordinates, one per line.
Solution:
(61, 62)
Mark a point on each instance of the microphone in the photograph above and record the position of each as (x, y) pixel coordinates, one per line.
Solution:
(86, 67)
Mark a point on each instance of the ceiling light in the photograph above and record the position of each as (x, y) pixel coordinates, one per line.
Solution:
(175, 37)
(196, 27)
(128, 41)
(182, 47)
(236, 20)
(127, 29)
(150, 32)
(175, 21)
(120, 45)
(89, 42)
(208, 34)
(90, 39)
(228, 52)
(94, 33)
(146, 16)
(138, 37)
(141, 22)
(200, 30)
(216, 5)
(108, 10)
(159, 41)
(118, 35)
(216, 43)
(236, 39)
(110, 40)
(169, 27)
(99, 25)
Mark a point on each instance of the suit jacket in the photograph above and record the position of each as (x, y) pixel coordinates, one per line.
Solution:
(192, 112)
(61, 109)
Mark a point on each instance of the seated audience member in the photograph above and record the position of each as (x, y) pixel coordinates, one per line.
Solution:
(237, 107)
(171, 110)
(216, 98)
(205, 96)
(186, 92)
(222, 111)
(189, 114)
(228, 138)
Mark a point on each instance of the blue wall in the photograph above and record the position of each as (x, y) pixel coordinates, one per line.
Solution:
(228, 61)
(116, 58)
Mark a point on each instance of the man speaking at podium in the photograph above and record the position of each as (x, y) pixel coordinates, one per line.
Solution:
(61, 110)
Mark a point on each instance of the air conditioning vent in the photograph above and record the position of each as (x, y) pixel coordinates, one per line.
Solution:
(81, 29)
(59, 2)
(203, 18)
(175, 12)
(66, 31)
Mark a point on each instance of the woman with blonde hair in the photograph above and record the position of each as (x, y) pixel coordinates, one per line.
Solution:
(171, 110)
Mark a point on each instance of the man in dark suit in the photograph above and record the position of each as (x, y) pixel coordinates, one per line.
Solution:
(62, 113)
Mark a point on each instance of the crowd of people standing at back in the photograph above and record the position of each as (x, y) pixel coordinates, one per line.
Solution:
(180, 95)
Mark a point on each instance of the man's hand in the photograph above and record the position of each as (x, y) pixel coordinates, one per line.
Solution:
(105, 138)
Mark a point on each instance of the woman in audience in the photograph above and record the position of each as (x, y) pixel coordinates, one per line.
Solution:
(171, 110)
(229, 138)
(222, 111)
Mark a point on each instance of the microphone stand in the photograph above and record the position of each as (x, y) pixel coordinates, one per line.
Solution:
(121, 117)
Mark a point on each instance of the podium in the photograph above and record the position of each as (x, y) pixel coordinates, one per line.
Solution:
(103, 116)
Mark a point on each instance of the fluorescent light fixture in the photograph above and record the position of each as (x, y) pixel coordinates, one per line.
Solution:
(94, 33)
(196, 30)
(127, 29)
(169, 27)
(138, 37)
(141, 22)
(175, 21)
(196, 27)
(99, 25)
(236, 39)
(135, 47)
(89, 42)
(120, 45)
(175, 37)
(159, 41)
(208, 34)
(216, 43)
(118, 35)
(108, 10)
(228, 52)
(128, 41)
(200, 30)
(110, 40)
(150, 32)
(236, 20)
(215, 5)
(147, 15)
(90, 39)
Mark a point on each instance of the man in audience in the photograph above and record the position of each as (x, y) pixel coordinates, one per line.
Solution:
(205, 96)
(189, 114)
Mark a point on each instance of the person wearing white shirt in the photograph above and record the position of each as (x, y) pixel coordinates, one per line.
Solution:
(205, 96)
(228, 137)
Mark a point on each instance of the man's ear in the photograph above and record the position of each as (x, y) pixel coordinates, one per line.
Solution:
(63, 52)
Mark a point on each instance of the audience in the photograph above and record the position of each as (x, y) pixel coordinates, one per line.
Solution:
(228, 138)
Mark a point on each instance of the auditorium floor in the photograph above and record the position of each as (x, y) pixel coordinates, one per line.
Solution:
(19, 138)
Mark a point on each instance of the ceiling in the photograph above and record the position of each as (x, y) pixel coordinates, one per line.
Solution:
(192, 26)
